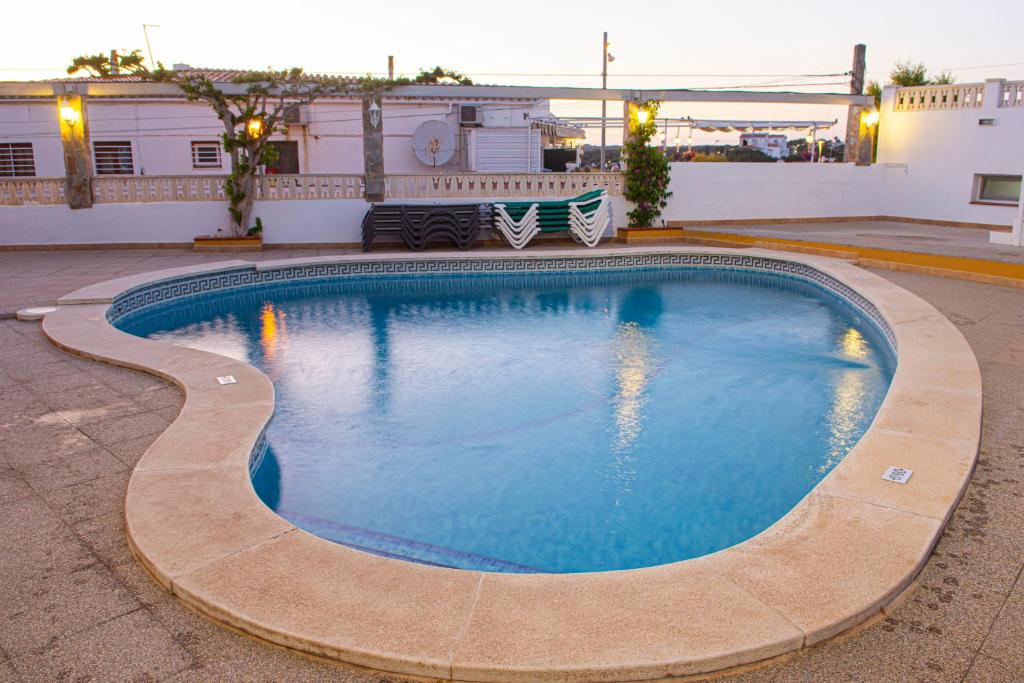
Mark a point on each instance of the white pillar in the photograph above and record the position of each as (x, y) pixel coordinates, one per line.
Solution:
(1015, 238)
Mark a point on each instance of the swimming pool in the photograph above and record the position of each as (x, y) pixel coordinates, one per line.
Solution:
(551, 422)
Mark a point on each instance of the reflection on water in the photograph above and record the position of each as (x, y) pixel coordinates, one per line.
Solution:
(639, 313)
(380, 312)
(269, 330)
(633, 373)
(849, 401)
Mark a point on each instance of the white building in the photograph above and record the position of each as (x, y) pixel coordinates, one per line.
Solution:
(166, 135)
(772, 144)
(961, 148)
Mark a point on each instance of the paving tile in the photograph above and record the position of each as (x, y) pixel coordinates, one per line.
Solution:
(32, 362)
(121, 407)
(987, 510)
(119, 429)
(54, 585)
(13, 486)
(57, 378)
(988, 670)
(990, 560)
(131, 451)
(157, 397)
(105, 536)
(1005, 642)
(133, 647)
(7, 672)
(19, 405)
(9, 336)
(85, 397)
(44, 438)
(26, 518)
(884, 652)
(71, 469)
(958, 613)
(241, 660)
(168, 414)
(90, 499)
(127, 382)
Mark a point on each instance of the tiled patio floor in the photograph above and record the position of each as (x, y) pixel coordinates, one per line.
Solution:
(926, 239)
(75, 606)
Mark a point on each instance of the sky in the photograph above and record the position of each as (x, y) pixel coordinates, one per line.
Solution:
(656, 44)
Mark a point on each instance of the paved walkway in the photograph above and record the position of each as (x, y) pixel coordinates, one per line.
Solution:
(924, 239)
(74, 605)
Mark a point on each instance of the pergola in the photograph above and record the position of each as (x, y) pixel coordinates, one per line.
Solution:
(373, 102)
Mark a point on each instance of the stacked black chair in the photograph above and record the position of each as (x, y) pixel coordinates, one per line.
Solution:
(417, 224)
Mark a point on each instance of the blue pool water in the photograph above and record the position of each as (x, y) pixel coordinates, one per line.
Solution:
(550, 422)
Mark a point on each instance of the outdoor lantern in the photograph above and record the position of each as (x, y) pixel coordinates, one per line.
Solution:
(374, 114)
(69, 115)
(642, 115)
(254, 127)
(872, 118)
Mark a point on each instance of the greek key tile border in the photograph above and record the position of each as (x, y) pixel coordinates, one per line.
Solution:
(140, 298)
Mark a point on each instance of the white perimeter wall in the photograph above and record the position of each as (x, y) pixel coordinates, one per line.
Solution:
(297, 221)
(744, 191)
(314, 220)
(944, 149)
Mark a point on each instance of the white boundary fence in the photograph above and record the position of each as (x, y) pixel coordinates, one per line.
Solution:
(204, 188)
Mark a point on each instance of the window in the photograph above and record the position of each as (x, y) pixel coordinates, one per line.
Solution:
(113, 158)
(998, 189)
(206, 155)
(287, 157)
(16, 159)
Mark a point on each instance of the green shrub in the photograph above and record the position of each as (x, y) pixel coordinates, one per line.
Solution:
(647, 171)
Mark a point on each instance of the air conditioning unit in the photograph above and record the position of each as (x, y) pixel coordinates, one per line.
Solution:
(298, 117)
(471, 115)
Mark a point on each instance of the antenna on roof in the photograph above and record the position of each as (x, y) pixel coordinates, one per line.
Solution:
(391, 67)
(149, 49)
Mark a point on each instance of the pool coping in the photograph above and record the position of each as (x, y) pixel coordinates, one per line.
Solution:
(838, 558)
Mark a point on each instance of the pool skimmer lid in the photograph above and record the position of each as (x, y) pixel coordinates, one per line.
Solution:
(900, 475)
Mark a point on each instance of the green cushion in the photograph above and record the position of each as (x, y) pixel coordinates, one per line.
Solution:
(562, 204)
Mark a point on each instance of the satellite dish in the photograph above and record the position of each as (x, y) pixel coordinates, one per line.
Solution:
(433, 142)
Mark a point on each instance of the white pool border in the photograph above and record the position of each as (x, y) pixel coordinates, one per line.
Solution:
(838, 558)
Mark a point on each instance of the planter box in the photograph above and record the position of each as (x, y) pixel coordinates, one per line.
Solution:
(207, 243)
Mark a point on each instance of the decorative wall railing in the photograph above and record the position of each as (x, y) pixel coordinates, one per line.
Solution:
(19, 191)
(142, 189)
(204, 188)
(1013, 94)
(930, 97)
(500, 185)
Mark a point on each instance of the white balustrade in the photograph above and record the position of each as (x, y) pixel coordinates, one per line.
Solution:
(205, 188)
(498, 185)
(1013, 94)
(28, 191)
(936, 97)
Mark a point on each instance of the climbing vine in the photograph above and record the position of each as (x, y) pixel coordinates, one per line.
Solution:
(252, 107)
(647, 169)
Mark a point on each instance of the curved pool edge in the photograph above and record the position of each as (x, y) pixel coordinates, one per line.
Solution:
(838, 558)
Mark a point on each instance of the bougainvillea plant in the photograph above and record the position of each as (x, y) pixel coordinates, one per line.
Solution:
(647, 169)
